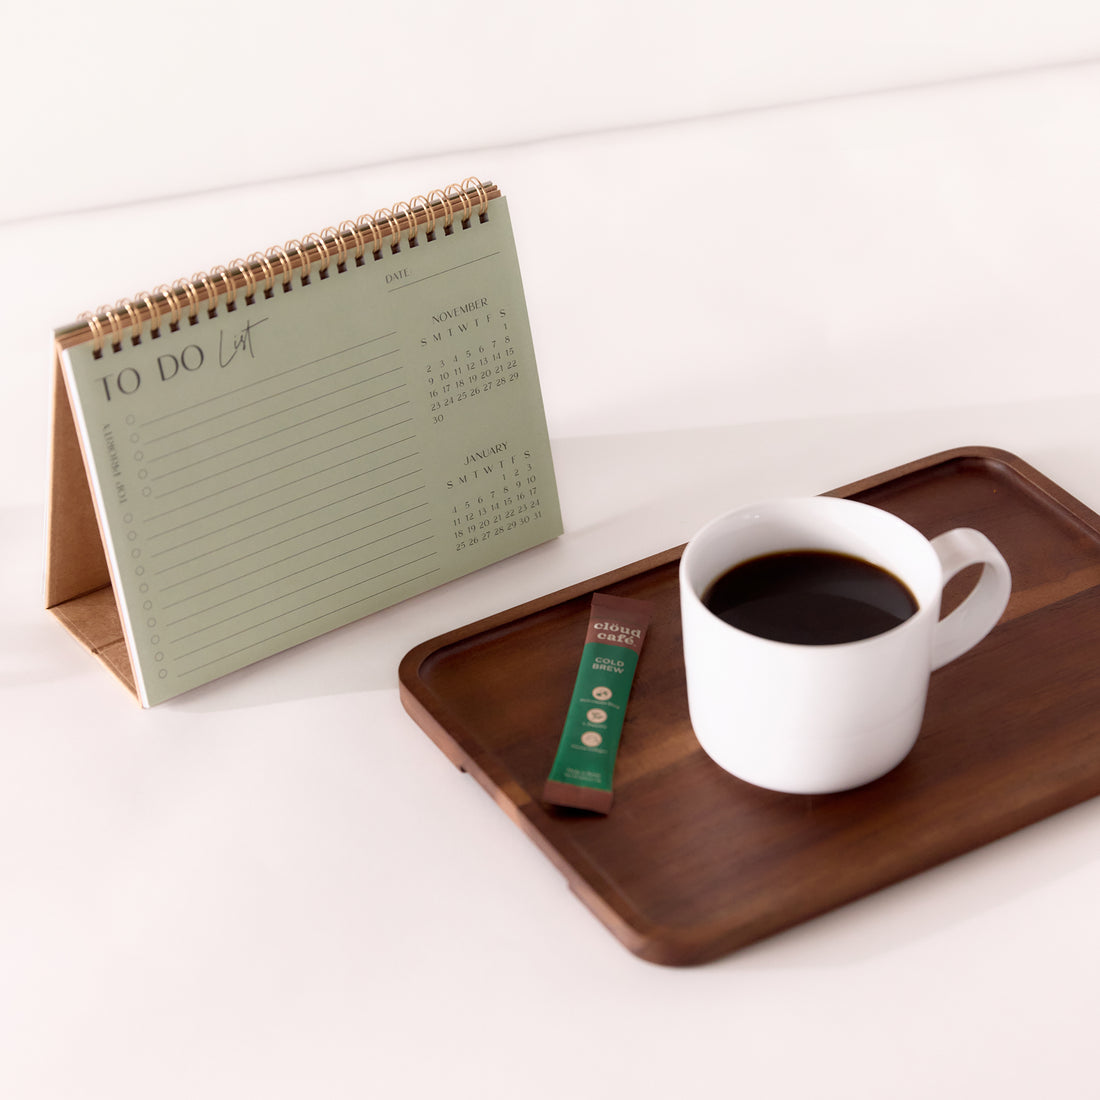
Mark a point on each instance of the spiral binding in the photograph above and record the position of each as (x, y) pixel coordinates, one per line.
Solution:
(334, 248)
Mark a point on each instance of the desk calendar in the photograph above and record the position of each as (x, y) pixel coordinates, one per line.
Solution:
(258, 455)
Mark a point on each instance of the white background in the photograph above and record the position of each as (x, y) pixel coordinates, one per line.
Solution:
(771, 250)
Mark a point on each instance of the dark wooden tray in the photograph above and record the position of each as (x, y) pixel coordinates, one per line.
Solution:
(692, 863)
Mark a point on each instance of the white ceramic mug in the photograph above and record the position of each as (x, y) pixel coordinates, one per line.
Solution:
(812, 719)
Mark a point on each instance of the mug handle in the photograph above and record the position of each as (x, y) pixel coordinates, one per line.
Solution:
(979, 613)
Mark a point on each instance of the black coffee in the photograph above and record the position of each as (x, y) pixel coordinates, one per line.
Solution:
(810, 597)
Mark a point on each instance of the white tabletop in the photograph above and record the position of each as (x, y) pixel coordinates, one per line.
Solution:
(277, 886)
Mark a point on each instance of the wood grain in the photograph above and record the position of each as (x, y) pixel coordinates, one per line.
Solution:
(692, 863)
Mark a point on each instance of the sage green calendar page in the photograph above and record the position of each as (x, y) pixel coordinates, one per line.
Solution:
(283, 468)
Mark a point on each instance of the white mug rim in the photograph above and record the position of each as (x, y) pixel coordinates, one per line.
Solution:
(926, 589)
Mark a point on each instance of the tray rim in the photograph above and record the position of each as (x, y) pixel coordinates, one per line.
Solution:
(650, 940)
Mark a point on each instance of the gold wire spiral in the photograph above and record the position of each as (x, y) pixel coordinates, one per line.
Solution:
(332, 236)
(115, 323)
(387, 227)
(130, 306)
(404, 210)
(333, 245)
(421, 206)
(463, 197)
(222, 272)
(279, 255)
(211, 292)
(154, 314)
(260, 260)
(314, 242)
(187, 288)
(472, 183)
(168, 296)
(351, 229)
(244, 269)
(290, 250)
(440, 198)
(95, 327)
(369, 221)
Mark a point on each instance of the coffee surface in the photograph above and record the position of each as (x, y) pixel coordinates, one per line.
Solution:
(810, 597)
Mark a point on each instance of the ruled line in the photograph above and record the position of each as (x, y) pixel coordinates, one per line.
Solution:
(286, 576)
(269, 546)
(305, 623)
(287, 484)
(445, 271)
(280, 450)
(235, 616)
(269, 416)
(297, 424)
(286, 501)
(225, 395)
